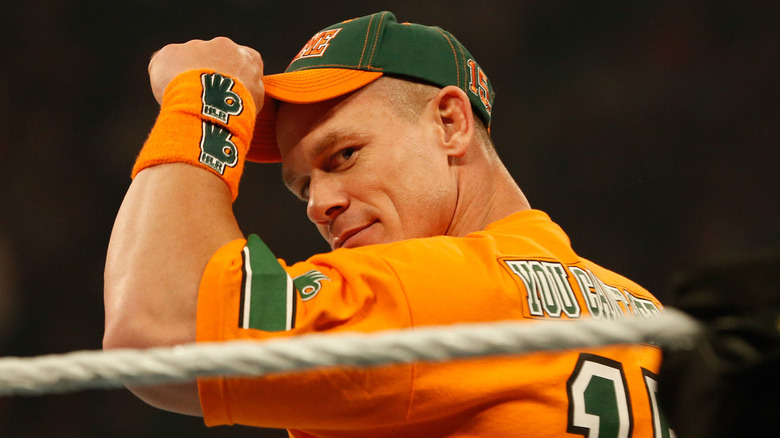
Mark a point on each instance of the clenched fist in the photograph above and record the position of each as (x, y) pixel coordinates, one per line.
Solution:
(220, 54)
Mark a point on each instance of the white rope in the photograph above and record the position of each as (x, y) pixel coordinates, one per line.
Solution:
(115, 368)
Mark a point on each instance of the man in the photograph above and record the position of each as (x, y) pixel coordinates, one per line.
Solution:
(383, 129)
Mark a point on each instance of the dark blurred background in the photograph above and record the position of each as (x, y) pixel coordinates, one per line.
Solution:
(647, 129)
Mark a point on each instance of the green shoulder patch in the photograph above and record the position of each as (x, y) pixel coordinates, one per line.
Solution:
(268, 294)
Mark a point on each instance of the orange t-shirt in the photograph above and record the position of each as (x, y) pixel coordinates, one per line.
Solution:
(521, 267)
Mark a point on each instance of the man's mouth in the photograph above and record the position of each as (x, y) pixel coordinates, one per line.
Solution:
(351, 237)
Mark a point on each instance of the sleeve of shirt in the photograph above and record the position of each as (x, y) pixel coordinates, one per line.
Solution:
(246, 293)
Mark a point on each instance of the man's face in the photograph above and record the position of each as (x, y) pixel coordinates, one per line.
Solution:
(369, 174)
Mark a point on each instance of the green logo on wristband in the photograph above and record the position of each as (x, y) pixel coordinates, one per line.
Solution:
(216, 149)
(219, 101)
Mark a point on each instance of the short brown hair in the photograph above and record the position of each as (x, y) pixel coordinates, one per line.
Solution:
(408, 97)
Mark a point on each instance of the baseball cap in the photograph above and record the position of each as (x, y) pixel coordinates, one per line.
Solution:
(349, 55)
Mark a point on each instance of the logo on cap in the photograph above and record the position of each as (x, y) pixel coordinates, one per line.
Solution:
(317, 45)
(478, 84)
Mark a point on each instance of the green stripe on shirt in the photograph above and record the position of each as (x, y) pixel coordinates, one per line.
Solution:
(268, 295)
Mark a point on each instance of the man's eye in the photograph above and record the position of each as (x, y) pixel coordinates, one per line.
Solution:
(342, 156)
(305, 192)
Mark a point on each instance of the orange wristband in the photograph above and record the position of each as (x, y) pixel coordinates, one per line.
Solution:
(206, 120)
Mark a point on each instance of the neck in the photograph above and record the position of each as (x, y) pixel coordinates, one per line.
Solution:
(486, 193)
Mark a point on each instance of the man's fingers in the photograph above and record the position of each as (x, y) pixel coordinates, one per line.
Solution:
(220, 54)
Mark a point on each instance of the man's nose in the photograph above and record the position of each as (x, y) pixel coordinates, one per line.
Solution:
(327, 198)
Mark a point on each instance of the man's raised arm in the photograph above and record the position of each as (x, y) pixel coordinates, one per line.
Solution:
(178, 209)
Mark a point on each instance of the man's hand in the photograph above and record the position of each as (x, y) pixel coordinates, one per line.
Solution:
(220, 54)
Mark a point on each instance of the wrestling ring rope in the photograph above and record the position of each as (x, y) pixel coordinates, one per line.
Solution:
(97, 369)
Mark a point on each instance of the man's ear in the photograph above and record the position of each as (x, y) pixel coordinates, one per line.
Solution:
(455, 120)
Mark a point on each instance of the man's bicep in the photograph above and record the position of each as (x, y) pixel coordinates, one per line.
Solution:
(172, 220)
